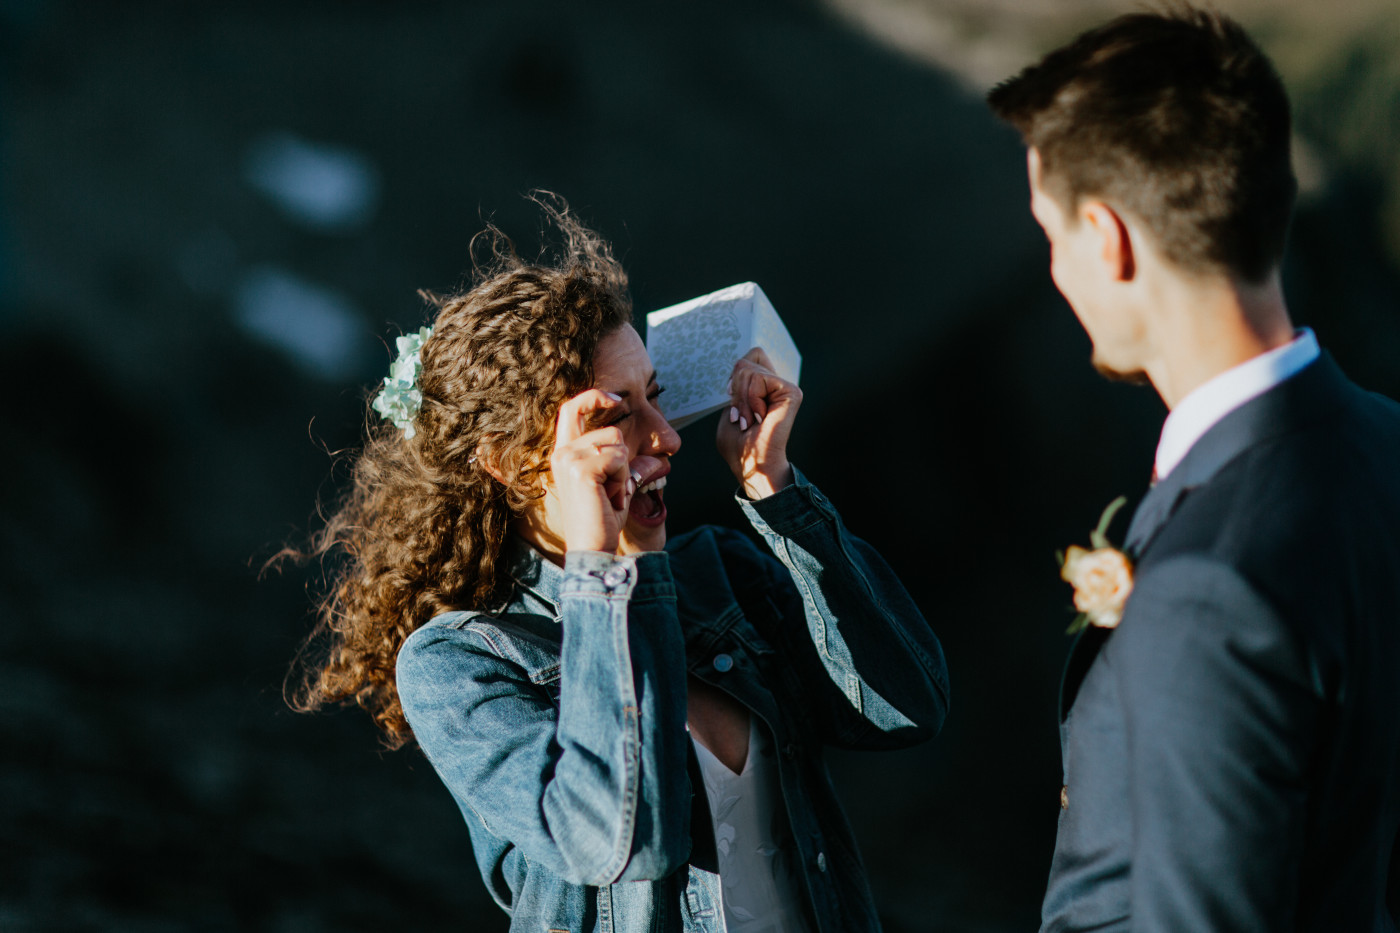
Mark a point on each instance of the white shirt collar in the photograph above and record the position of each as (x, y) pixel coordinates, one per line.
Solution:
(1205, 405)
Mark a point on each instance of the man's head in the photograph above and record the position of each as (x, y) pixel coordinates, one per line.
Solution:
(1179, 123)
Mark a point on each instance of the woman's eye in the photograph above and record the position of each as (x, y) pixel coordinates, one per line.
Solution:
(618, 419)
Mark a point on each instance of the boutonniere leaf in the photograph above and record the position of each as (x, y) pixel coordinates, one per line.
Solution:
(1102, 577)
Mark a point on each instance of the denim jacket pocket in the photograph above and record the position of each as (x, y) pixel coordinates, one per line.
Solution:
(534, 651)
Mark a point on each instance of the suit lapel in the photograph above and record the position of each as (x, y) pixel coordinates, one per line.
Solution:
(1081, 654)
(1309, 394)
(1156, 508)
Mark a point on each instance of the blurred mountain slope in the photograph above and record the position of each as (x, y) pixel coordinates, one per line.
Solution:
(1338, 60)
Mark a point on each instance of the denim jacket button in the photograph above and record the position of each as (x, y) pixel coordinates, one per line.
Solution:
(821, 861)
(615, 577)
(723, 662)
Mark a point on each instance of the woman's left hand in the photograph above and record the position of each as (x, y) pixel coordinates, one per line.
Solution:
(753, 434)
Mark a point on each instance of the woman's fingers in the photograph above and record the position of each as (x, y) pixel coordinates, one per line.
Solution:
(753, 440)
(753, 386)
(599, 456)
(601, 450)
(572, 422)
(591, 476)
(759, 356)
(741, 412)
(611, 458)
(758, 394)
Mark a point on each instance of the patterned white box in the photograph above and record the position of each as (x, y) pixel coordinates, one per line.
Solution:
(694, 346)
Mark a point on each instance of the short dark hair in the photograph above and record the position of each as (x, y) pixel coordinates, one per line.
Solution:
(1176, 118)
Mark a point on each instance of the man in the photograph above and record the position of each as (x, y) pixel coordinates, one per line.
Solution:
(1232, 748)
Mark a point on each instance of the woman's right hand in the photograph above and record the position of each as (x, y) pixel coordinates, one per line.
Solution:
(591, 477)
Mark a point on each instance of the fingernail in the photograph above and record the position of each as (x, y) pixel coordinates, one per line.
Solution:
(615, 398)
(733, 414)
(631, 486)
(743, 424)
(757, 418)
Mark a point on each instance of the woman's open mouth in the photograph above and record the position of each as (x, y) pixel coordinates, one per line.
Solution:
(648, 504)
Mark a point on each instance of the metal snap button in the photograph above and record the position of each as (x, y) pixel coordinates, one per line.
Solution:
(821, 861)
(723, 662)
(615, 577)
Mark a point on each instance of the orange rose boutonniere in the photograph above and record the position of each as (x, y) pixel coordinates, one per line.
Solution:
(1102, 577)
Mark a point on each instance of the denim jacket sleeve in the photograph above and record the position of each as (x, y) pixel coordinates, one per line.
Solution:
(587, 789)
(868, 656)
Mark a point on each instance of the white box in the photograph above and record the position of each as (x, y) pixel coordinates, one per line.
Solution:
(694, 346)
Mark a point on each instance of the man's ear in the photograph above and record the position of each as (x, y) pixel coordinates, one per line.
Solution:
(1115, 239)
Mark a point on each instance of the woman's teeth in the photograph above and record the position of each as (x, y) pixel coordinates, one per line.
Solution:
(656, 484)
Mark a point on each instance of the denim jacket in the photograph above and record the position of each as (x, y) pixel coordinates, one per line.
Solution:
(558, 722)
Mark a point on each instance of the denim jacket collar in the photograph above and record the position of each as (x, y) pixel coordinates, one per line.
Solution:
(534, 574)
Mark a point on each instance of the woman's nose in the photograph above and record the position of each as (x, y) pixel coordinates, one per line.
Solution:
(664, 438)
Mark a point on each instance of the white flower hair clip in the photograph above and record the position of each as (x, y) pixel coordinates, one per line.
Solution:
(400, 399)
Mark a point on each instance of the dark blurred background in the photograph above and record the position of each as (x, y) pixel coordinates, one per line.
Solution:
(213, 221)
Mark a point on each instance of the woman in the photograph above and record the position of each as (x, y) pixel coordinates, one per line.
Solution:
(511, 602)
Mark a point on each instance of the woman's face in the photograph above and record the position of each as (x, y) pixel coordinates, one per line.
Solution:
(621, 366)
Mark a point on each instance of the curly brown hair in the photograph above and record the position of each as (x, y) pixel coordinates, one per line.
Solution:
(421, 528)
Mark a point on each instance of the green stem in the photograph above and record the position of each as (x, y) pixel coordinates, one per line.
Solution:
(1100, 534)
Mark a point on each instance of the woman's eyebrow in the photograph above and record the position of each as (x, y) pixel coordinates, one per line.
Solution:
(624, 393)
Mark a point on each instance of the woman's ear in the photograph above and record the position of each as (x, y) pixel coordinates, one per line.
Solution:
(485, 461)
(1115, 239)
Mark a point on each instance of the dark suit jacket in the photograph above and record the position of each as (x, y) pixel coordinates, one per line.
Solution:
(1232, 749)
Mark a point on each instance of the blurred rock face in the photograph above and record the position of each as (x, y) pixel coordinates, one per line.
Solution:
(216, 218)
